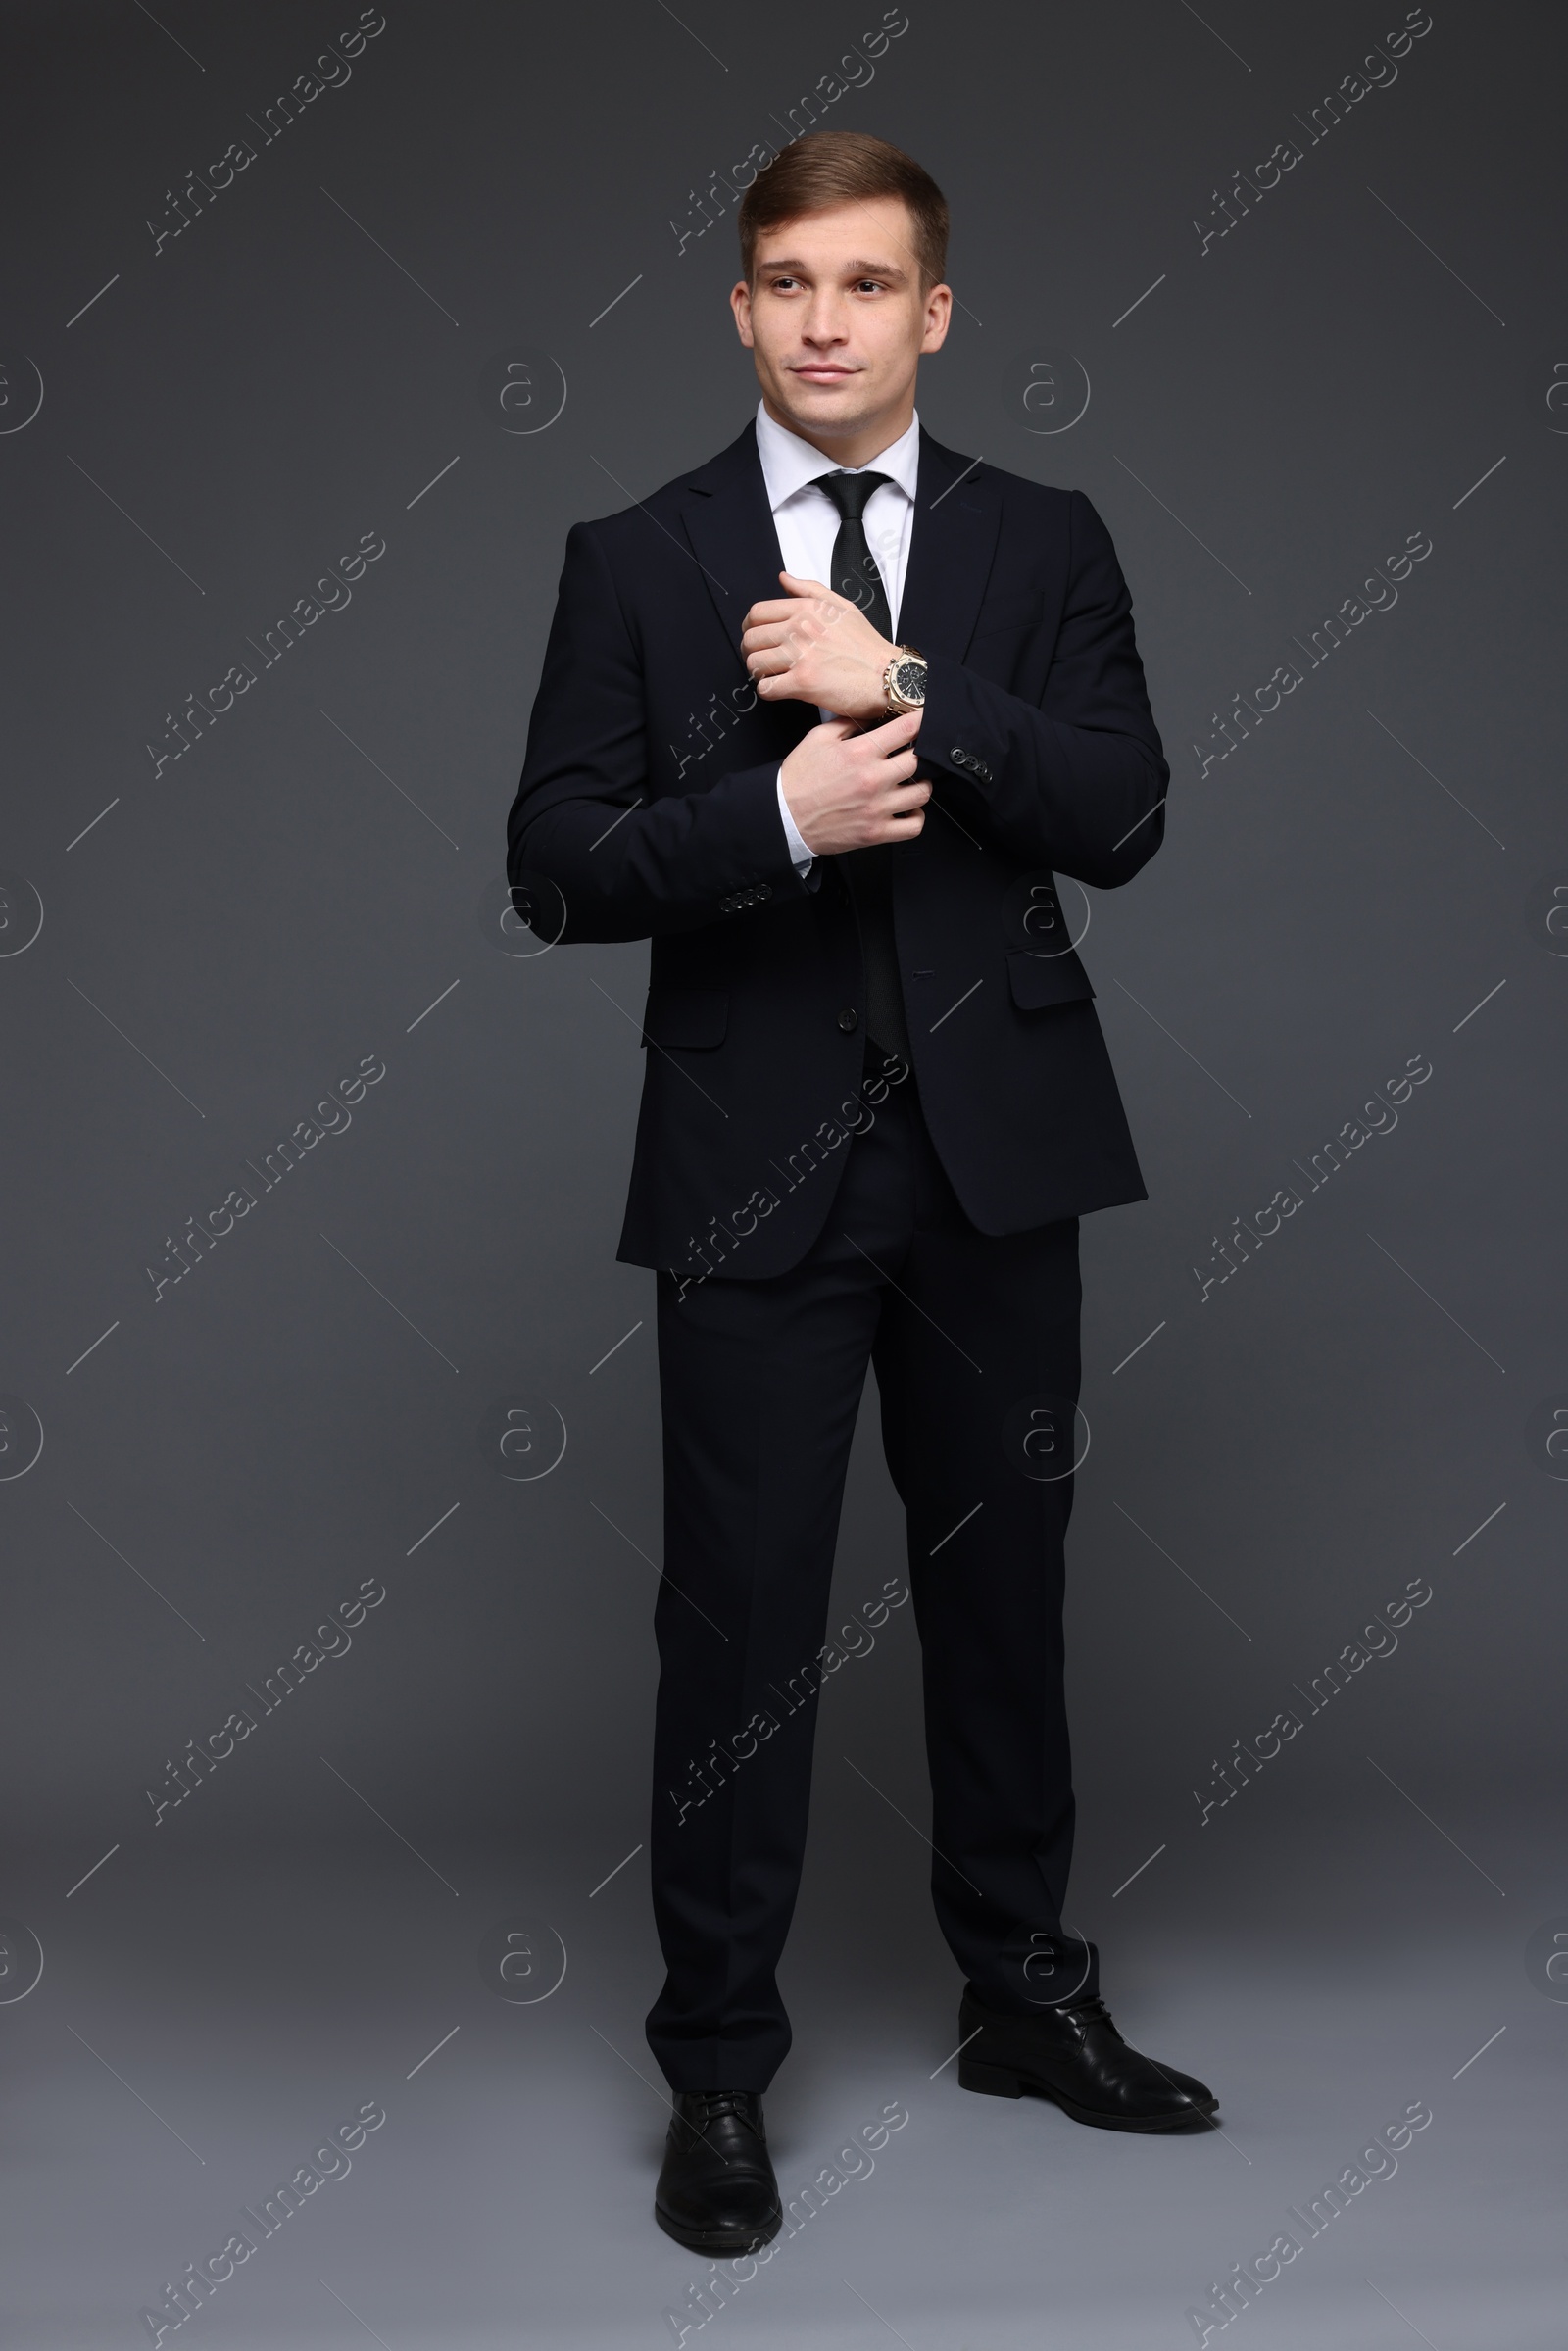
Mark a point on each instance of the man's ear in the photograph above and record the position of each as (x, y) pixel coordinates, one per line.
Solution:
(740, 303)
(938, 318)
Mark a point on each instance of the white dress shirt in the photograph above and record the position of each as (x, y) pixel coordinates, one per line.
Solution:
(808, 524)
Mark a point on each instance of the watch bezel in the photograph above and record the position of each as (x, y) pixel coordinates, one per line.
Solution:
(897, 698)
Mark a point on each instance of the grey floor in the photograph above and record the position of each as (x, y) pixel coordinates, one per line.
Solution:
(203, 2022)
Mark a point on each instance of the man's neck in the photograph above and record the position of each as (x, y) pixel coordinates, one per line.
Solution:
(853, 449)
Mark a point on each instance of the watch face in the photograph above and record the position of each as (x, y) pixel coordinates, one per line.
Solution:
(909, 679)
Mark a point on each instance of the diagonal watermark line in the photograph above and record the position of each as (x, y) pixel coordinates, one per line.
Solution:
(662, 2097)
(137, 1049)
(87, 828)
(90, 1350)
(1218, 36)
(430, 1530)
(953, 485)
(1186, 527)
(621, 819)
(1142, 296)
(429, 1009)
(1481, 1530)
(398, 1834)
(1192, 1057)
(958, 1529)
(435, 2052)
(934, 802)
(1475, 1009)
(94, 1872)
(615, 1349)
(392, 780)
(168, 36)
(86, 305)
(1436, 779)
(134, 525)
(615, 1872)
(659, 1570)
(658, 525)
(909, 1301)
(1138, 1349)
(386, 1302)
(620, 297)
(1181, 1571)
(1442, 1308)
(1143, 819)
(958, 2052)
(1399, 2314)
(908, 1823)
(1475, 486)
(658, 1048)
(1431, 1823)
(877, 2314)
(353, 2314)
(136, 1571)
(1436, 256)
(391, 257)
(952, 1009)
(1139, 1871)
(1481, 2052)
(430, 484)
(686, 29)
(135, 2093)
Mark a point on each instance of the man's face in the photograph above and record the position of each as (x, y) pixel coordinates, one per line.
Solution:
(837, 318)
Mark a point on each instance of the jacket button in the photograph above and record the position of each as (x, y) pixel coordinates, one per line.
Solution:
(960, 758)
(849, 1019)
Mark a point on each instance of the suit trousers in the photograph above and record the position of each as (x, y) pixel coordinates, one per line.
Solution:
(975, 1343)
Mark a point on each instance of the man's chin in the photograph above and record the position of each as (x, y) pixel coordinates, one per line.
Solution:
(825, 407)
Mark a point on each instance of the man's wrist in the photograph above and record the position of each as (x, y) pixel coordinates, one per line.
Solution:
(801, 855)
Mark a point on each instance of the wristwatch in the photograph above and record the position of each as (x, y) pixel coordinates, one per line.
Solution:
(904, 681)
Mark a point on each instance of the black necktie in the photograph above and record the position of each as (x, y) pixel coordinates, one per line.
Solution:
(868, 871)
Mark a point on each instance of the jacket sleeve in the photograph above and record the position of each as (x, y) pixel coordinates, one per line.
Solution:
(627, 866)
(1077, 783)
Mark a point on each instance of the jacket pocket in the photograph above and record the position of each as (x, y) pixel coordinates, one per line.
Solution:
(1039, 981)
(694, 1017)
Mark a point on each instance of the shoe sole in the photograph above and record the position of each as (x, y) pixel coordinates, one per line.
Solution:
(1001, 2081)
(727, 2244)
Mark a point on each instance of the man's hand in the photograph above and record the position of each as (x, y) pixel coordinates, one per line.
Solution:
(847, 790)
(816, 647)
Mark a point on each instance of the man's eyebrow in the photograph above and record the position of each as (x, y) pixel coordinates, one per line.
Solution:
(853, 268)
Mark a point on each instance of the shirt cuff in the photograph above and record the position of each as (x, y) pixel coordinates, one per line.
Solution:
(800, 855)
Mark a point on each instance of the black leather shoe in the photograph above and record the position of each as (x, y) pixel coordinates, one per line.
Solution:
(1075, 2055)
(717, 2191)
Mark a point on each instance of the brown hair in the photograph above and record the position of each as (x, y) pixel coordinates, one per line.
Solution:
(830, 167)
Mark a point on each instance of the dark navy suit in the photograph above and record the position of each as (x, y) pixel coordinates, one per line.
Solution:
(809, 1215)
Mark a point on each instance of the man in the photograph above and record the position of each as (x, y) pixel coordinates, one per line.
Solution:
(823, 719)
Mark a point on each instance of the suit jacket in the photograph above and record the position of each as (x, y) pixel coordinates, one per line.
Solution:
(648, 809)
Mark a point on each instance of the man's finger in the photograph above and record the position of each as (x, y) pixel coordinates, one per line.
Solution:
(776, 609)
(896, 731)
(804, 587)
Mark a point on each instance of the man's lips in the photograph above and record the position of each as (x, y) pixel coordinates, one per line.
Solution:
(825, 370)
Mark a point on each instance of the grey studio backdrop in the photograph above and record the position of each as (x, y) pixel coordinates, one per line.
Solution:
(312, 356)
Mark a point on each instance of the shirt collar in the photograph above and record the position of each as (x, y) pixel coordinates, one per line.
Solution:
(789, 462)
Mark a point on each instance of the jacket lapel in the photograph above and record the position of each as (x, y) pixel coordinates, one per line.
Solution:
(958, 513)
(729, 526)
